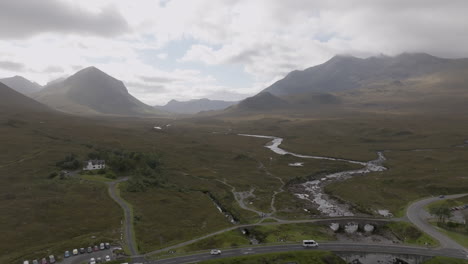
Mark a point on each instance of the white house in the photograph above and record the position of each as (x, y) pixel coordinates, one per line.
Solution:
(94, 165)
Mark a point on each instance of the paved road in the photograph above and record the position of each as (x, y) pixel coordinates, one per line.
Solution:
(269, 223)
(418, 216)
(128, 221)
(331, 246)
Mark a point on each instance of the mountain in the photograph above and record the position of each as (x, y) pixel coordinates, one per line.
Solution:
(342, 73)
(92, 92)
(12, 101)
(21, 85)
(195, 106)
(263, 101)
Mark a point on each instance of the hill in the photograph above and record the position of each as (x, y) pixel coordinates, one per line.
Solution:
(194, 106)
(347, 73)
(263, 101)
(21, 85)
(93, 92)
(13, 102)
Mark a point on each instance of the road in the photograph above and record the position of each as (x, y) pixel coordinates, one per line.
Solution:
(331, 246)
(128, 221)
(418, 216)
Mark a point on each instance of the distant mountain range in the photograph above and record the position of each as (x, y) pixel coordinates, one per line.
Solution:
(92, 92)
(410, 82)
(21, 85)
(194, 106)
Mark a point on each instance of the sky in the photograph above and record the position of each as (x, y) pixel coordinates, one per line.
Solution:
(216, 49)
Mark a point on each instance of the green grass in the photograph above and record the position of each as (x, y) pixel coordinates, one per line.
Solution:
(445, 260)
(96, 178)
(303, 257)
(410, 234)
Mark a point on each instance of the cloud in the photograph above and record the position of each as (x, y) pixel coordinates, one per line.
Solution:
(11, 66)
(26, 18)
(158, 79)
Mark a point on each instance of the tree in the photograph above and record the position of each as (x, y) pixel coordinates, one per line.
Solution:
(442, 212)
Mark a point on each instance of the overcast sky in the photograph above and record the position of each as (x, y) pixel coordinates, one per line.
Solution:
(219, 49)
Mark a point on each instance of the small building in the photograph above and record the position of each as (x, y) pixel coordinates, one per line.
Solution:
(94, 165)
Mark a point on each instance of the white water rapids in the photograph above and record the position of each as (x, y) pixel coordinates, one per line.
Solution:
(314, 188)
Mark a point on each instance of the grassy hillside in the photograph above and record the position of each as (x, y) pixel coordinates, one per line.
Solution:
(313, 257)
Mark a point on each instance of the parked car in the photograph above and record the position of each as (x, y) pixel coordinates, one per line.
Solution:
(67, 254)
(98, 260)
(90, 250)
(215, 252)
(108, 258)
(75, 252)
(92, 261)
(107, 245)
(96, 248)
(51, 259)
(82, 251)
(102, 246)
(44, 261)
(35, 261)
(26, 262)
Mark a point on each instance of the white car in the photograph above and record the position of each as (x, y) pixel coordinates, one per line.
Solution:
(309, 243)
(215, 252)
(108, 258)
(92, 261)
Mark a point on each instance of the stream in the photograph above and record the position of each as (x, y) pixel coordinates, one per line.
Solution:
(313, 190)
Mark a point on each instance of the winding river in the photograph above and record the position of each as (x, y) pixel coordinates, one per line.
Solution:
(313, 190)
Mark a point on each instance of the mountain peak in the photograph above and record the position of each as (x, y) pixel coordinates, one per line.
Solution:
(21, 85)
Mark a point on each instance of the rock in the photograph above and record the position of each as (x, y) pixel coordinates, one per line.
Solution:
(351, 228)
(334, 226)
(368, 228)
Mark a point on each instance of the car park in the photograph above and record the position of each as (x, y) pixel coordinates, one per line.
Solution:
(51, 259)
(67, 254)
(215, 252)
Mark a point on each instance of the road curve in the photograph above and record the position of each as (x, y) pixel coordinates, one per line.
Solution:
(128, 218)
(330, 246)
(418, 216)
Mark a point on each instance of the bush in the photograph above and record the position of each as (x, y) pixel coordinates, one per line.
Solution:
(53, 175)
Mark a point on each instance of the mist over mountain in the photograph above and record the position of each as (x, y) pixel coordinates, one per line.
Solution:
(195, 106)
(92, 92)
(346, 72)
(21, 85)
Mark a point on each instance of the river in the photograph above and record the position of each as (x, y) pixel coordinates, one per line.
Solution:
(313, 190)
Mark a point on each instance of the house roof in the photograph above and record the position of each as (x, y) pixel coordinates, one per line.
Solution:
(96, 162)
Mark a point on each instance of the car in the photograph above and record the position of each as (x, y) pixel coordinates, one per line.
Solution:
(90, 250)
(82, 251)
(107, 245)
(44, 261)
(51, 259)
(67, 254)
(107, 258)
(309, 243)
(75, 252)
(98, 260)
(92, 261)
(35, 261)
(102, 246)
(96, 248)
(26, 262)
(441, 196)
(215, 252)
